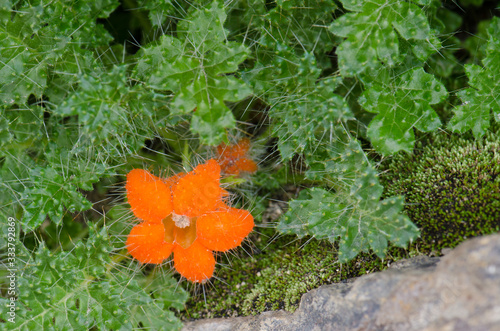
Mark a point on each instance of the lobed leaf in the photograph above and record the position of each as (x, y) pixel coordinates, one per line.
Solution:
(98, 103)
(279, 77)
(51, 195)
(196, 67)
(299, 24)
(45, 39)
(159, 11)
(353, 214)
(401, 104)
(308, 120)
(74, 290)
(372, 33)
(24, 123)
(304, 107)
(481, 97)
(5, 135)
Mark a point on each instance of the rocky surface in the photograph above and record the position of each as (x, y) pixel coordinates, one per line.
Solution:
(460, 291)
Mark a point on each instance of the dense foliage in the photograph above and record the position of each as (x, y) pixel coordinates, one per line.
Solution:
(323, 89)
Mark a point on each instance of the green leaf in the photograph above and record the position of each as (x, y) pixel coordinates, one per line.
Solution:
(14, 173)
(22, 70)
(74, 289)
(5, 135)
(203, 28)
(211, 122)
(5, 7)
(305, 122)
(476, 43)
(159, 11)
(279, 77)
(244, 19)
(105, 124)
(402, 103)
(481, 97)
(372, 33)
(196, 66)
(353, 214)
(445, 22)
(98, 103)
(42, 39)
(25, 123)
(53, 193)
(299, 24)
(161, 289)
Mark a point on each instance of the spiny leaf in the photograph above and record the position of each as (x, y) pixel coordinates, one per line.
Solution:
(40, 38)
(98, 103)
(5, 135)
(306, 121)
(353, 214)
(161, 289)
(196, 67)
(476, 43)
(159, 10)
(283, 74)
(445, 22)
(304, 108)
(299, 24)
(108, 120)
(74, 290)
(25, 123)
(51, 195)
(244, 19)
(482, 95)
(402, 103)
(372, 31)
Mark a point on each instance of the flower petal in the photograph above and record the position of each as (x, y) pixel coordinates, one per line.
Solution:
(196, 263)
(234, 151)
(149, 198)
(233, 159)
(243, 164)
(199, 191)
(146, 243)
(246, 164)
(172, 180)
(224, 230)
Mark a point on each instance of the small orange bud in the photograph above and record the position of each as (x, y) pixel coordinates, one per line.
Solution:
(233, 159)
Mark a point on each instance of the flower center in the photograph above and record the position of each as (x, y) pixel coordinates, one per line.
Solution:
(180, 229)
(181, 221)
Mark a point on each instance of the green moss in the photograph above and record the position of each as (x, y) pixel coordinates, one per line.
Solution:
(288, 274)
(452, 188)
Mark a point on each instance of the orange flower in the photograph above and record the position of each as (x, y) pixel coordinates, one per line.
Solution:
(233, 159)
(184, 214)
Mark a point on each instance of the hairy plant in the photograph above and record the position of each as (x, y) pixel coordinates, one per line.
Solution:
(90, 90)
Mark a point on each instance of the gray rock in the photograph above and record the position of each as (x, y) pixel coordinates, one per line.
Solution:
(460, 291)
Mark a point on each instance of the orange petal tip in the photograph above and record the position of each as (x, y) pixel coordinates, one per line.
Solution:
(195, 263)
(149, 198)
(225, 229)
(199, 191)
(146, 243)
